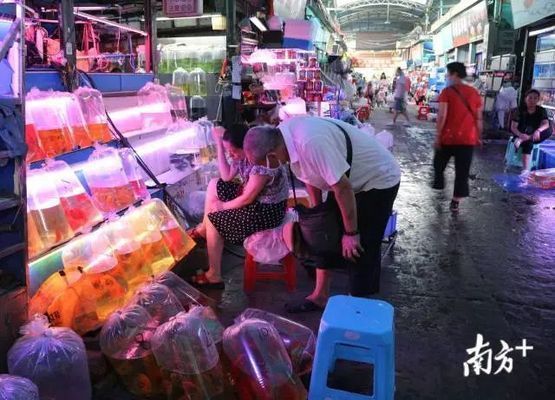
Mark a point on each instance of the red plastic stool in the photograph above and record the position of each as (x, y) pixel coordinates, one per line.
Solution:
(288, 274)
(423, 112)
(363, 113)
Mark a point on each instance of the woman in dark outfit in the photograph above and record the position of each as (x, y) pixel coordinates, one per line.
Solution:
(530, 126)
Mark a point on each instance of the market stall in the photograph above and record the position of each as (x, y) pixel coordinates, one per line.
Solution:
(112, 159)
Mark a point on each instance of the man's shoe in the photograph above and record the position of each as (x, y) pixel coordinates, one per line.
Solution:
(454, 206)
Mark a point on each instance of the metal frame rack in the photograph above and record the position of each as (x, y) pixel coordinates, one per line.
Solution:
(13, 254)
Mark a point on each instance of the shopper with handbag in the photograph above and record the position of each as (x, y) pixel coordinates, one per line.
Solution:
(361, 179)
(459, 128)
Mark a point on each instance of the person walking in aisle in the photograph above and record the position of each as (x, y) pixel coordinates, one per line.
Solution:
(402, 86)
(359, 173)
(459, 128)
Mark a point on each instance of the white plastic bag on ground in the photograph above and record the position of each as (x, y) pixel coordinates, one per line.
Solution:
(385, 138)
(368, 128)
(269, 247)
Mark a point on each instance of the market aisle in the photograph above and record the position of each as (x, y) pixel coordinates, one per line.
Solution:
(488, 271)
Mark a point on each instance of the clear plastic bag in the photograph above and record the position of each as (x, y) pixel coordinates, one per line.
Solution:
(147, 226)
(17, 388)
(53, 358)
(47, 113)
(72, 117)
(176, 95)
(45, 209)
(187, 295)
(51, 288)
(133, 173)
(299, 340)
(197, 83)
(210, 321)
(269, 246)
(95, 256)
(176, 239)
(107, 181)
(78, 207)
(125, 341)
(155, 106)
(94, 113)
(132, 270)
(260, 364)
(159, 301)
(189, 360)
(74, 306)
(180, 78)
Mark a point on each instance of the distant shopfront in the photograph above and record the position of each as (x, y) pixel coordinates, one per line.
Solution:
(464, 39)
(536, 20)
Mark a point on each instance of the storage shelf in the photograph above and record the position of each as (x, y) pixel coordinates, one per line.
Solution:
(75, 156)
(145, 132)
(9, 202)
(78, 234)
(8, 251)
(9, 101)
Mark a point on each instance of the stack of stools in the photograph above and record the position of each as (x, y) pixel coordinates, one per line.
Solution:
(360, 330)
(287, 273)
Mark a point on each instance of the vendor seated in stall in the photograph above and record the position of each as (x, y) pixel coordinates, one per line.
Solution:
(530, 126)
(237, 208)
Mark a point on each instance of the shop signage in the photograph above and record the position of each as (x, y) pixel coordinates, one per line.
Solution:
(469, 26)
(182, 8)
(526, 12)
(446, 38)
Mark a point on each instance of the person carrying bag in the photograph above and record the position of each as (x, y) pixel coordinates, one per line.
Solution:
(459, 126)
(361, 178)
(317, 234)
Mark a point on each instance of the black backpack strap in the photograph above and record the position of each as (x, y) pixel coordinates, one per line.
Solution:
(349, 144)
(467, 105)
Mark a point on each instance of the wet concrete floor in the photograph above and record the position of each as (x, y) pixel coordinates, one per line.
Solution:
(489, 270)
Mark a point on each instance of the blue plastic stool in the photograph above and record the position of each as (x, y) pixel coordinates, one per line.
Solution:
(513, 158)
(355, 329)
(543, 155)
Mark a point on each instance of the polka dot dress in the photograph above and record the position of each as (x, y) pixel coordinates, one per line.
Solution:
(237, 224)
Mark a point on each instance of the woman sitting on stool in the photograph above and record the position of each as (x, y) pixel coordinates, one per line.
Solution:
(530, 126)
(235, 209)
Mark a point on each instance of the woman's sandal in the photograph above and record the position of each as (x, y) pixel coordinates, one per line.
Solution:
(200, 281)
(197, 237)
(303, 307)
